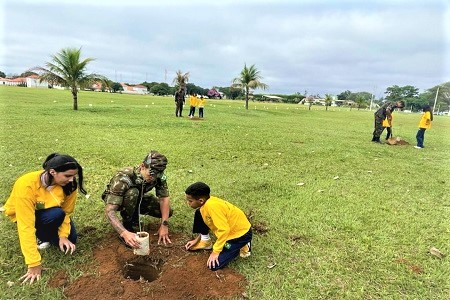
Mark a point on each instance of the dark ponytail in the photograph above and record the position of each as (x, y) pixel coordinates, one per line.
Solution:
(61, 163)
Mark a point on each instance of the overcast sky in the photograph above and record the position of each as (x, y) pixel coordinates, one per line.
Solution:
(318, 46)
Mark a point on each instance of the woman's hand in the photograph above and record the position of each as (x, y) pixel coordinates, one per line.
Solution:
(65, 245)
(33, 273)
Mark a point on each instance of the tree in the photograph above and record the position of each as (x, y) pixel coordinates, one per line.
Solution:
(397, 93)
(115, 86)
(27, 73)
(160, 89)
(360, 101)
(344, 95)
(328, 100)
(181, 80)
(249, 79)
(443, 96)
(66, 69)
(3, 75)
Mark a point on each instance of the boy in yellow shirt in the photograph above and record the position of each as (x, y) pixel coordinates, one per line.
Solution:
(228, 223)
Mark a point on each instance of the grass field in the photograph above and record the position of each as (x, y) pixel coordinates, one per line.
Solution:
(346, 218)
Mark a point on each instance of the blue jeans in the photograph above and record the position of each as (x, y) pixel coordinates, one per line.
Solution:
(48, 222)
(420, 136)
(231, 248)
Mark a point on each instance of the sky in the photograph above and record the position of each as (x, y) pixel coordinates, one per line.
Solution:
(312, 46)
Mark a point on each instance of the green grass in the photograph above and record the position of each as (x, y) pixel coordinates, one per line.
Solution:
(361, 236)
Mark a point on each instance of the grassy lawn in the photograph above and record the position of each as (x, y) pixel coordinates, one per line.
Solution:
(346, 218)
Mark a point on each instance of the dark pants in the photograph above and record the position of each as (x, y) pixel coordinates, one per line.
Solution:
(231, 248)
(131, 209)
(389, 132)
(48, 222)
(378, 128)
(420, 136)
(179, 109)
(192, 111)
(200, 112)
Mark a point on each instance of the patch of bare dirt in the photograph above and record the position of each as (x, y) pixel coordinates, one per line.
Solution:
(167, 273)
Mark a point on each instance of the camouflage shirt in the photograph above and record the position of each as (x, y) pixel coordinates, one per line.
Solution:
(130, 177)
(381, 112)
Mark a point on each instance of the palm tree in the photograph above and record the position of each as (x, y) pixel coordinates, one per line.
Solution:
(360, 101)
(181, 80)
(249, 79)
(66, 69)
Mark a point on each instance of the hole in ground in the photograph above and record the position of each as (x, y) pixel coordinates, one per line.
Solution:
(143, 268)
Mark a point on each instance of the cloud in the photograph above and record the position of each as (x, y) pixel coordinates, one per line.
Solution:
(319, 46)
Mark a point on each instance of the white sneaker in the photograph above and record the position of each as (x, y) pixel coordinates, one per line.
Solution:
(417, 147)
(42, 245)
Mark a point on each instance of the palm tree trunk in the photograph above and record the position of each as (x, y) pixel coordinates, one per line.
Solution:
(246, 98)
(75, 99)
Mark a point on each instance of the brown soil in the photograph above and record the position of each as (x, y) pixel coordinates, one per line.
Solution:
(393, 141)
(169, 272)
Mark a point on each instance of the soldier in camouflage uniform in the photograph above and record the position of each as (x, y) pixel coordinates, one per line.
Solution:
(126, 193)
(382, 113)
(179, 100)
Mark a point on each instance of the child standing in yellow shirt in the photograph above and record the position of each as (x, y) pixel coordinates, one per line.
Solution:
(201, 105)
(192, 104)
(424, 124)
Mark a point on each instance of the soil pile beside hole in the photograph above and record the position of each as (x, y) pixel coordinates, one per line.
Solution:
(182, 274)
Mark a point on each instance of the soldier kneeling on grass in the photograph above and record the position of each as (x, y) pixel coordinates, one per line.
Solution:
(126, 193)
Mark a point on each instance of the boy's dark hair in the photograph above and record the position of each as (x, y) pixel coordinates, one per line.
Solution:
(428, 108)
(198, 190)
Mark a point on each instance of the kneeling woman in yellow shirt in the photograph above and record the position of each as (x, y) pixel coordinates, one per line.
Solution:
(41, 202)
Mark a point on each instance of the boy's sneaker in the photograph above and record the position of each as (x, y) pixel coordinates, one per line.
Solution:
(202, 245)
(42, 245)
(246, 250)
(417, 147)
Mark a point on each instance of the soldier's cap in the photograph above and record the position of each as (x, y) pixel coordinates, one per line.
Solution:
(156, 161)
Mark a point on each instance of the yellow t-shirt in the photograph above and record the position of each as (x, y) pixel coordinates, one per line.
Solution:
(201, 102)
(386, 123)
(27, 196)
(225, 220)
(193, 100)
(425, 121)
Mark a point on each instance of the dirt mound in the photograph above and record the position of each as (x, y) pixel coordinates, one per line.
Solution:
(396, 141)
(167, 273)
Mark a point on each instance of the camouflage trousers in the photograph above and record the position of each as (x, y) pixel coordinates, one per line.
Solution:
(131, 209)
(179, 108)
(378, 128)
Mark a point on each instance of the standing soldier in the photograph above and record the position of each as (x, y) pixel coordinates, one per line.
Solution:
(179, 100)
(384, 112)
(126, 193)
